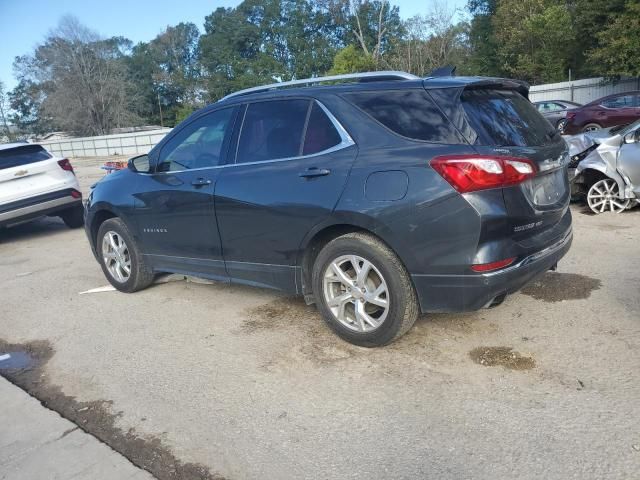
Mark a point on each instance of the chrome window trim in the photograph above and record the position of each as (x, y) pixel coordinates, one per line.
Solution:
(346, 142)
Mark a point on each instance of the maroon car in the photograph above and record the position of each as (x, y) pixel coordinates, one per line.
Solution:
(616, 109)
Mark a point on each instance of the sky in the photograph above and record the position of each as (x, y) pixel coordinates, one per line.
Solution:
(24, 23)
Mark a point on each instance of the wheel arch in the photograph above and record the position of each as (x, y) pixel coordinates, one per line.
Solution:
(98, 218)
(317, 238)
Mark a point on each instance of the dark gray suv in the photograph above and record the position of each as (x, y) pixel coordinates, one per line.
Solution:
(376, 199)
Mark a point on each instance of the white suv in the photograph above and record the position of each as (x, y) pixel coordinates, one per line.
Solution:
(34, 183)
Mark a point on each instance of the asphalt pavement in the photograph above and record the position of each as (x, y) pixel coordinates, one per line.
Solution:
(190, 380)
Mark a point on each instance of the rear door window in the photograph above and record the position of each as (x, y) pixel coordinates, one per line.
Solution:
(410, 113)
(272, 130)
(23, 155)
(321, 134)
(504, 118)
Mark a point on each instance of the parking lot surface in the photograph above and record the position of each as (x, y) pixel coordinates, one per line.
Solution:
(193, 380)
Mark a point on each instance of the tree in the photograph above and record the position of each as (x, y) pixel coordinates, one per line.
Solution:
(4, 112)
(483, 57)
(431, 41)
(167, 73)
(531, 38)
(589, 19)
(618, 50)
(262, 41)
(82, 79)
(352, 60)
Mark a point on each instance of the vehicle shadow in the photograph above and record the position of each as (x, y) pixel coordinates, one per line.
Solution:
(32, 230)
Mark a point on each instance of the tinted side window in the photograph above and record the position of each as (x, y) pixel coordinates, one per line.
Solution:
(410, 113)
(13, 157)
(321, 133)
(504, 118)
(198, 145)
(619, 102)
(272, 130)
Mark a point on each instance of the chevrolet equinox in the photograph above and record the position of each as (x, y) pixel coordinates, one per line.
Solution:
(376, 199)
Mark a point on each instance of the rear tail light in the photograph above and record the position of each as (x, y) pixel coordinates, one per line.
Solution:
(571, 115)
(487, 267)
(76, 194)
(469, 173)
(65, 164)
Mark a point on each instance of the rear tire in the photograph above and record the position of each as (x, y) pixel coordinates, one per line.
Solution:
(73, 217)
(590, 127)
(560, 126)
(120, 258)
(363, 290)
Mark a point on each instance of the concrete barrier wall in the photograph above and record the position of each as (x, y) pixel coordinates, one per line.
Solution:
(582, 91)
(128, 144)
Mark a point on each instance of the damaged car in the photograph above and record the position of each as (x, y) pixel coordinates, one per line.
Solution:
(605, 167)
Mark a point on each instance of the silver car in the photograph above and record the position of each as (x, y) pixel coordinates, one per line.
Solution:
(605, 166)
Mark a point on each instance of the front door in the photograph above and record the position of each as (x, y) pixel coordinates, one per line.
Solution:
(175, 208)
(292, 163)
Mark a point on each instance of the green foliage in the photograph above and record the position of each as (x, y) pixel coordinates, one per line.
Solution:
(352, 60)
(618, 50)
(76, 80)
(183, 112)
(531, 38)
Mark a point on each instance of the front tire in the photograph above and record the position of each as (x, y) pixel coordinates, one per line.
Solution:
(120, 258)
(604, 196)
(363, 291)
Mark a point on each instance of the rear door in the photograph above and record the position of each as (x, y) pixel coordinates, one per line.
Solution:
(506, 123)
(291, 166)
(29, 170)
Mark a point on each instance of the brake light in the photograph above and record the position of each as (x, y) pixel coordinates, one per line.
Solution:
(65, 164)
(76, 194)
(469, 173)
(487, 267)
(571, 115)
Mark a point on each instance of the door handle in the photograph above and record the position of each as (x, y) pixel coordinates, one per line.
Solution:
(200, 182)
(315, 172)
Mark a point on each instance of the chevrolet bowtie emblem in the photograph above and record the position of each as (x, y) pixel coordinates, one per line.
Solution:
(20, 173)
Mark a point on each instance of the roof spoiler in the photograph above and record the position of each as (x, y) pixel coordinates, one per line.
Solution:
(446, 71)
(519, 86)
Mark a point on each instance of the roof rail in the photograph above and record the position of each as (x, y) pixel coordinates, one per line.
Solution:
(364, 77)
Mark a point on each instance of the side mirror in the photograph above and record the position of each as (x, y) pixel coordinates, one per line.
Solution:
(139, 164)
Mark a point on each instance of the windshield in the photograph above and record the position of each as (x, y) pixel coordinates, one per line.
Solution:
(629, 128)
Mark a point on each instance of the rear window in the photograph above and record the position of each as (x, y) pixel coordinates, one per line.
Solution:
(410, 113)
(504, 118)
(14, 157)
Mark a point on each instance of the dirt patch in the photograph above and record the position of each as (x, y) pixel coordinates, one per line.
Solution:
(282, 313)
(501, 356)
(96, 417)
(556, 287)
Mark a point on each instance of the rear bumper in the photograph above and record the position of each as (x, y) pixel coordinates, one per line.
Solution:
(34, 207)
(461, 293)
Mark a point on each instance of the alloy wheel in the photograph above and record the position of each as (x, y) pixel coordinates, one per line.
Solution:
(356, 293)
(116, 256)
(604, 196)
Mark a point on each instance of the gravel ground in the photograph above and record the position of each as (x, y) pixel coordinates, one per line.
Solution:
(192, 380)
